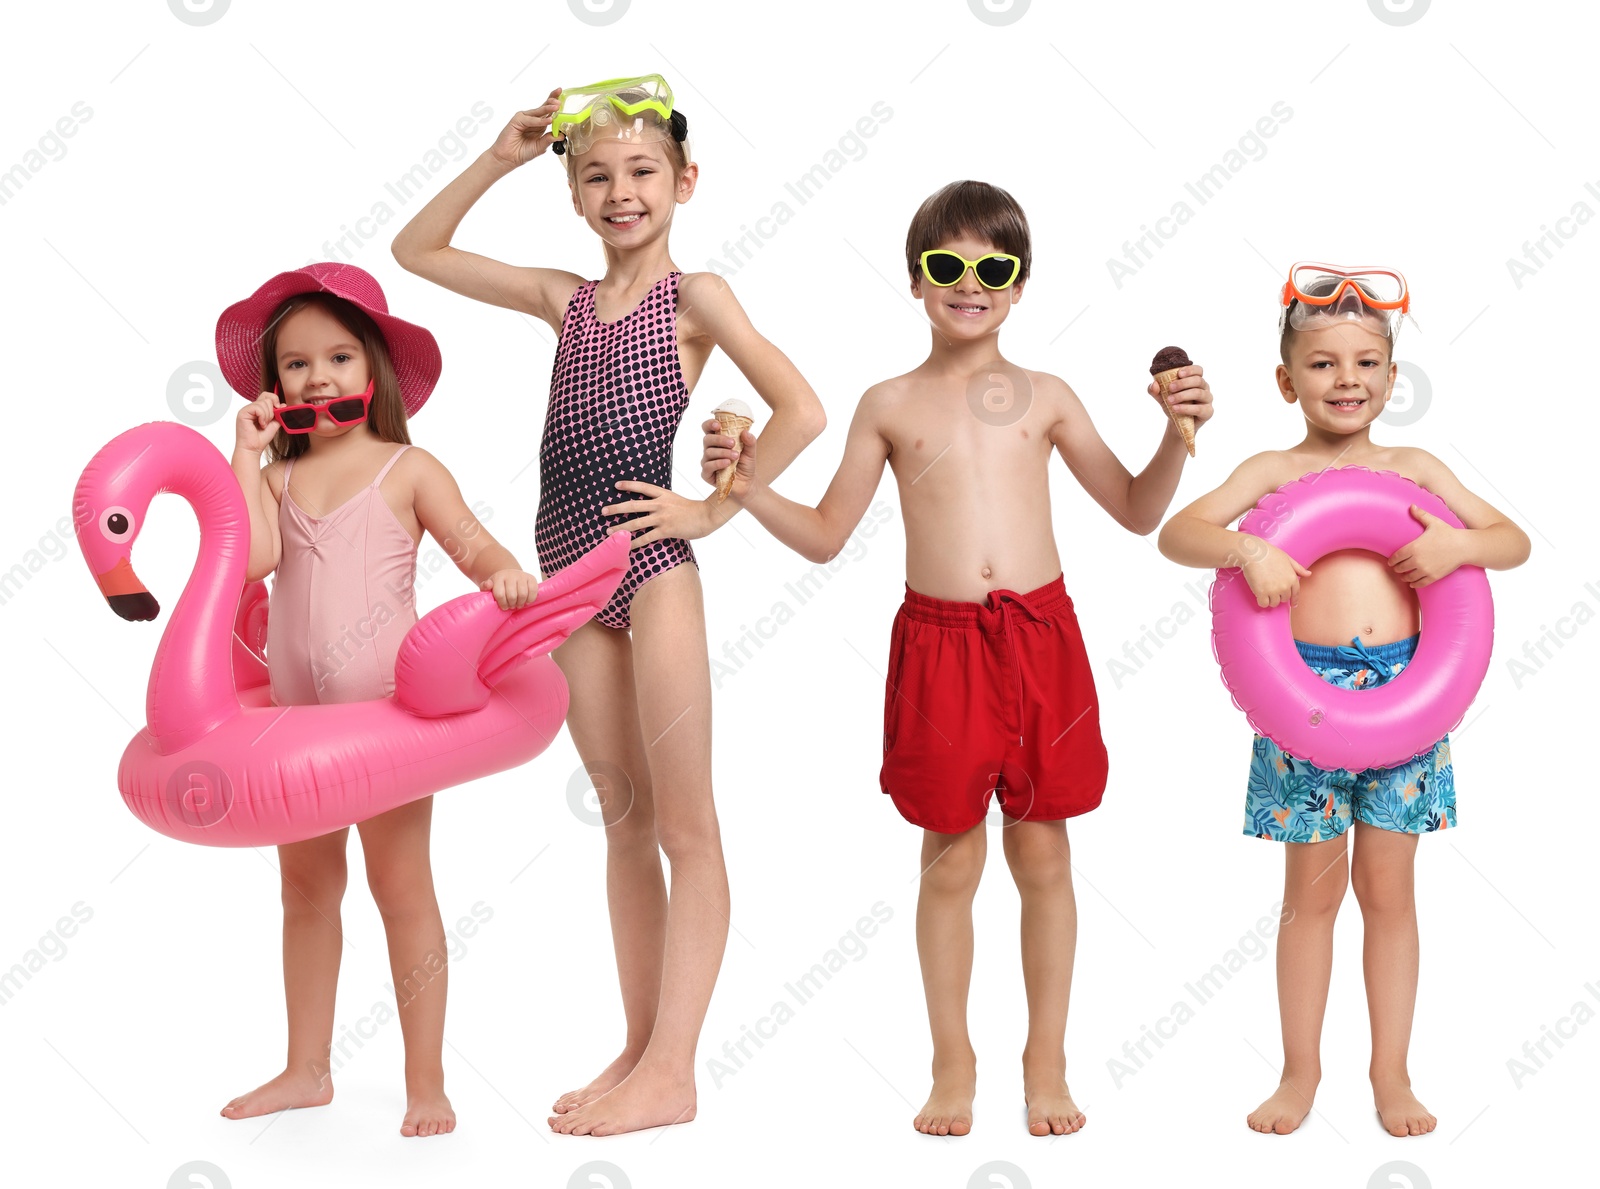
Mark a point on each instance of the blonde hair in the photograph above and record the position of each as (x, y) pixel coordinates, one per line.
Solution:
(678, 137)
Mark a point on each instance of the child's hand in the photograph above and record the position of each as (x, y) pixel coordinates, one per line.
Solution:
(1272, 574)
(721, 451)
(255, 426)
(1189, 395)
(664, 514)
(1434, 555)
(527, 135)
(512, 588)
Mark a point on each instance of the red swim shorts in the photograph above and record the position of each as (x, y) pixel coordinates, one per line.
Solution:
(990, 697)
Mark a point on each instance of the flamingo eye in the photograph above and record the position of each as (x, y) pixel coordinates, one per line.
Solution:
(116, 524)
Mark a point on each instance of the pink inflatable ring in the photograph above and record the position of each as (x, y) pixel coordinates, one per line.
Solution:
(1317, 514)
(475, 689)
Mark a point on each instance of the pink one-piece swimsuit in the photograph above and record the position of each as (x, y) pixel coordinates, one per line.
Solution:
(343, 597)
(617, 395)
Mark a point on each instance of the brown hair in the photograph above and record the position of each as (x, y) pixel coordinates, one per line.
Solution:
(386, 417)
(1322, 287)
(974, 208)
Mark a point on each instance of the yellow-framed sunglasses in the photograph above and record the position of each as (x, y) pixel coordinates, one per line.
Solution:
(994, 270)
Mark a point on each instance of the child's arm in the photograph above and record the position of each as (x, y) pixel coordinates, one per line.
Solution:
(798, 417)
(708, 310)
(442, 511)
(254, 430)
(817, 533)
(423, 245)
(1199, 536)
(1489, 539)
(1136, 502)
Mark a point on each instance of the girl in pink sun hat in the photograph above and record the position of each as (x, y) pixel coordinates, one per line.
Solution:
(335, 517)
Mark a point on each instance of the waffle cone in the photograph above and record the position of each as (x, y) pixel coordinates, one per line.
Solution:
(733, 425)
(1184, 423)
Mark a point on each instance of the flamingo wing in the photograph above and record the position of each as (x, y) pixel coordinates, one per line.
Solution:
(454, 656)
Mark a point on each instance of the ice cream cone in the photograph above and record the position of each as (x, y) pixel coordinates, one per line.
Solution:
(733, 425)
(1184, 423)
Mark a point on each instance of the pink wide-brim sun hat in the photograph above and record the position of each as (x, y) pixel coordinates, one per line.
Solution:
(414, 350)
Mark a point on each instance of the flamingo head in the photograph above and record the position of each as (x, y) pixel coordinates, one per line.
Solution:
(109, 506)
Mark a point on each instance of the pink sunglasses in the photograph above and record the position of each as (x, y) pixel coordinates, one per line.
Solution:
(347, 410)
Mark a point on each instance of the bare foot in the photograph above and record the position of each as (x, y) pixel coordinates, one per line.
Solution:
(610, 1078)
(428, 1112)
(1285, 1110)
(1051, 1110)
(289, 1089)
(1399, 1109)
(948, 1110)
(645, 1098)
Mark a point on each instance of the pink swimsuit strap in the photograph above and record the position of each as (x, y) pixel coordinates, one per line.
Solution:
(288, 469)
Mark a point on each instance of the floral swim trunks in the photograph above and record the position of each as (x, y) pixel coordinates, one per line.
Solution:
(1293, 800)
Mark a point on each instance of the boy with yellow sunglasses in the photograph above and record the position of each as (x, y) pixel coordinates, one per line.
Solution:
(989, 690)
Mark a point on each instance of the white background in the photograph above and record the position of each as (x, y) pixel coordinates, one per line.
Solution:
(217, 155)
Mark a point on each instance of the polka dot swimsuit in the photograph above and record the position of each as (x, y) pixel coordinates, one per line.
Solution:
(616, 398)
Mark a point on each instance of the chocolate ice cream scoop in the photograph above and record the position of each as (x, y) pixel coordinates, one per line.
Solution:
(1167, 359)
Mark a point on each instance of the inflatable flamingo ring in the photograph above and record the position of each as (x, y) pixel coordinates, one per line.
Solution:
(475, 689)
(1351, 508)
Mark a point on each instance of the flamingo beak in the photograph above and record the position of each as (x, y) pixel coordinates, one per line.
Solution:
(125, 593)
